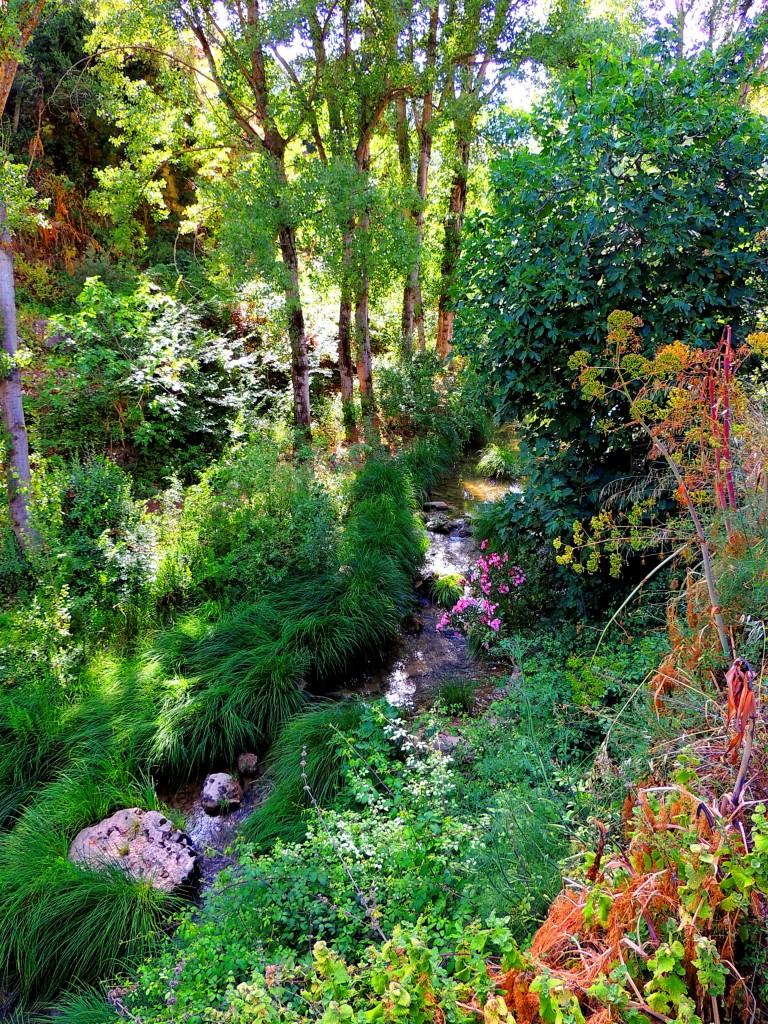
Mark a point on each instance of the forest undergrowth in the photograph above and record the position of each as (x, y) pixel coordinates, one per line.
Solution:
(594, 847)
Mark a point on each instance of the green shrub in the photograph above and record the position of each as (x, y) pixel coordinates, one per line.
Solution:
(252, 519)
(415, 975)
(138, 374)
(529, 839)
(234, 683)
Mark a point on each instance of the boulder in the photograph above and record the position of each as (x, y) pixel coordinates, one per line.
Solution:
(439, 524)
(247, 765)
(446, 743)
(437, 506)
(221, 794)
(453, 746)
(144, 844)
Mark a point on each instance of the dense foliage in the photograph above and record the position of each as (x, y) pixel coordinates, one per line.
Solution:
(492, 691)
(637, 183)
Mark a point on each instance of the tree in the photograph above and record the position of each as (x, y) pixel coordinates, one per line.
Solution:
(235, 77)
(17, 23)
(477, 43)
(639, 184)
(358, 70)
(422, 106)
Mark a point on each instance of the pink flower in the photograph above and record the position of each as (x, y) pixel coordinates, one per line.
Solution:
(484, 545)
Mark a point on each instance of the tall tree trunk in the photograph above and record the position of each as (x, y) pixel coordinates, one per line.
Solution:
(362, 229)
(452, 245)
(363, 333)
(18, 475)
(413, 309)
(412, 277)
(422, 178)
(17, 469)
(296, 333)
(346, 365)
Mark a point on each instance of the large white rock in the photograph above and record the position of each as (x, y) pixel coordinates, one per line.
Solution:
(144, 844)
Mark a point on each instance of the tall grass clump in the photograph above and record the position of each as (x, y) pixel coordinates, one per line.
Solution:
(456, 695)
(446, 590)
(62, 924)
(316, 731)
(233, 685)
(85, 1008)
(499, 462)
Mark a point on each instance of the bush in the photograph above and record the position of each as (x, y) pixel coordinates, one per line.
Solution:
(541, 270)
(253, 518)
(500, 462)
(138, 375)
(419, 398)
(412, 977)
(85, 1008)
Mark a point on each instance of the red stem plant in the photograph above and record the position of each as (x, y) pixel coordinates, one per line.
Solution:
(687, 402)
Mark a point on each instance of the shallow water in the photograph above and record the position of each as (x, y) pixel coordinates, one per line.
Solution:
(411, 672)
(213, 836)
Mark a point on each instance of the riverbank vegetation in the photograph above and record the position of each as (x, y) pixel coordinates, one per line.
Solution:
(270, 274)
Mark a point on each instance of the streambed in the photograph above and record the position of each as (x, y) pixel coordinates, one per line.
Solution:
(408, 675)
(422, 659)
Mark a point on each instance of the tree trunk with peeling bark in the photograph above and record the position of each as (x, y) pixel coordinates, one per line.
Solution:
(17, 468)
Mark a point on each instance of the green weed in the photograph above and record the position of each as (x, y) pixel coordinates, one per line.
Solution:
(456, 696)
(317, 731)
(446, 590)
(85, 1008)
(499, 462)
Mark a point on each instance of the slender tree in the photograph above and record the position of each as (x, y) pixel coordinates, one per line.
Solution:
(422, 106)
(243, 49)
(356, 71)
(17, 23)
(480, 35)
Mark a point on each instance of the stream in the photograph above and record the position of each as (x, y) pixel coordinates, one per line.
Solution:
(422, 659)
(408, 675)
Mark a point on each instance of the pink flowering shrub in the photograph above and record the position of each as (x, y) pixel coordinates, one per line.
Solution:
(491, 590)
